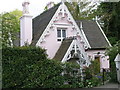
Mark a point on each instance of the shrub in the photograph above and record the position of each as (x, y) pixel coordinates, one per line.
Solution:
(28, 67)
(93, 77)
(112, 52)
(16, 63)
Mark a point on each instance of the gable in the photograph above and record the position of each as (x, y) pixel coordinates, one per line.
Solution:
(93, 33)
(40, 26)
(40, 23)
(71, 51)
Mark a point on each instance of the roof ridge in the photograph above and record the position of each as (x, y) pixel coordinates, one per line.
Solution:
(48, 9)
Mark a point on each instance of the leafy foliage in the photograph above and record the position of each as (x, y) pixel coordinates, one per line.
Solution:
(108, 12)
(10, 27)
(17, 64)
(93, 76)
(112, 52)
(28, 67)
(81, 9)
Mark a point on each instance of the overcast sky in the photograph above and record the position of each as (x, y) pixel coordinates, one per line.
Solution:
(36, 6)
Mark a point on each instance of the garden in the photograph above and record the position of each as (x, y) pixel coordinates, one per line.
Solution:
(28, 67)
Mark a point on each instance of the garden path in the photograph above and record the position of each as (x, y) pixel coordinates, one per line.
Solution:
(110, 85)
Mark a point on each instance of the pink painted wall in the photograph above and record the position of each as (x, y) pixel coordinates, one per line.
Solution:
(104, 60)
(51, 43)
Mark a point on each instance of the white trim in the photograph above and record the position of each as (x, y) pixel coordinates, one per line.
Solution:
(82, 51)
(103, 34)
(85, 38)
(77, 28)
(81, 28)
(68, 51)
(74, 42)
(74, 24)
(63, 12)
(47, 28)
(61, 30)
(117, 58)
(63, 24)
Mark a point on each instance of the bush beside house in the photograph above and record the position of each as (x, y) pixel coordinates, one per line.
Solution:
(28, 67)
(112, 52)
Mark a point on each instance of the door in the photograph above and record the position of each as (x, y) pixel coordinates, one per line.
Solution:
(97, 63)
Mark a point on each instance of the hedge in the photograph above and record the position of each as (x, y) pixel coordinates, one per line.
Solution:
(28, 67)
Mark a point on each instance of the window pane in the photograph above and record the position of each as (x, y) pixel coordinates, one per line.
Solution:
(58, 33)
(64, 33)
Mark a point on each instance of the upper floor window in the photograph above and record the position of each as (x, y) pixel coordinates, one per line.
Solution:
(61, 34)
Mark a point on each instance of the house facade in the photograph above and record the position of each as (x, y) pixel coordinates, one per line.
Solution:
(64, 38)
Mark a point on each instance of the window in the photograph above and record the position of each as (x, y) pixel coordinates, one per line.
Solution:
(58, 33)
(61, 34)
(64, 33)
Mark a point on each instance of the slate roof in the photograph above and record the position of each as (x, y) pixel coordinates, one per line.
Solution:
(41, 21)
(93, 34)
(90, 27)
(63, 48)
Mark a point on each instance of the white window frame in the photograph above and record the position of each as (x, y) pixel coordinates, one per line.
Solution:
(61, 38)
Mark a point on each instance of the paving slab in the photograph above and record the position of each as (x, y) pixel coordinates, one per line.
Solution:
(109, 85)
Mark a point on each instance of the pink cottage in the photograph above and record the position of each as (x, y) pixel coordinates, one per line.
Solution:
(64, 38)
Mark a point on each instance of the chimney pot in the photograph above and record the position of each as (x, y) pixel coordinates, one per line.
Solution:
(50, 5)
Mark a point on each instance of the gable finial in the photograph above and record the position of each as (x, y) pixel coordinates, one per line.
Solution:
(25, 5)
(96, 18)
(81, 26)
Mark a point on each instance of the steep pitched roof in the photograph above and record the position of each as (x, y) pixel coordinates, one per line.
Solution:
(63, 48)
(90, 28)
(93, 33)
(40, 23)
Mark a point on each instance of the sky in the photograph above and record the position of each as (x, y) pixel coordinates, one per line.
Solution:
(36, 6)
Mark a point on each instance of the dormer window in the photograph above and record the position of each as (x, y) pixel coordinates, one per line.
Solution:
(61, 34)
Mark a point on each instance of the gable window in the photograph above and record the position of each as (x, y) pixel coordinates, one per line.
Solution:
(61, 34)
(58, 33)
(64, 33)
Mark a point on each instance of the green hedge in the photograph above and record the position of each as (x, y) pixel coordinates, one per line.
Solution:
(28, 67)
(17, 64)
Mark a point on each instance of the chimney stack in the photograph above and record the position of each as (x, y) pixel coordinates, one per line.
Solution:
(25, 25)
(50, 5)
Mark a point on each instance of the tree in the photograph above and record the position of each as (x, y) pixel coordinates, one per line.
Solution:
(17, 13)
(112, 52)
(109, 15)
(10, 26)
(82, 9)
